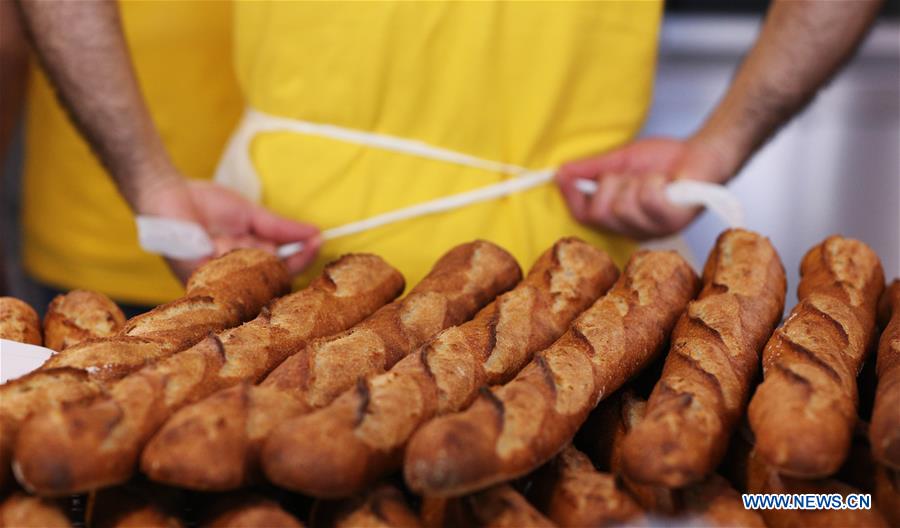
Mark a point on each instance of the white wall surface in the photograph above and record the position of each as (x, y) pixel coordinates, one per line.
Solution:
(835, 169)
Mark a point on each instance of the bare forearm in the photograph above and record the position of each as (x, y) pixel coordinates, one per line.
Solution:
(83, 50)
(801, 45)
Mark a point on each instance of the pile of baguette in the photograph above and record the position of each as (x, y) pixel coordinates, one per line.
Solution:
(575, 395)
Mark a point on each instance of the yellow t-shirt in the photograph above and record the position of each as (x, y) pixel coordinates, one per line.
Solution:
(78, 231)
(533, 84)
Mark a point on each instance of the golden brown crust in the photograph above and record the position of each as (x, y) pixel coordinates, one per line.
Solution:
(886, 494)
(714, 502)
(763, 479)
(23, 511)
(382, 507)
(253, 512)
(496, 507)
(224, 432)
(340, 449)
(238, 283)
(79, 316)
(19, 322)
(579, 495)
(627, 411)
(513, 429)
(97, 444)
(804, 411)
(135, 506)
(884, 433)
(713, 359)
(31, 393)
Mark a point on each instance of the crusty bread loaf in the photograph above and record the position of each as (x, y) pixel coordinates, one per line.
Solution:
(513, 429)
(79, 316)
(496, 507)
(713, 359)
(24, 511)
(886, 494)
(96, 444)
(19, 322)
(576, 494)
(381, 507)
(764, 479)
(237, 284)
(804, 411)
(884, 433)
(714, 502)
(626, 413)
(221, 294)
(251, 512)
(135, 506)
(341, 449)
(214, 444)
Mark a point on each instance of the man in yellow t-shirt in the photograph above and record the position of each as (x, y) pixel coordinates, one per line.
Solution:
(528, 84)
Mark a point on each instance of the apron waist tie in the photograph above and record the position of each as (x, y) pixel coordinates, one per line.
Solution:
(186, 240)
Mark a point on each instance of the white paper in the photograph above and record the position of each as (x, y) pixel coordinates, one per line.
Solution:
(177, 239)
(689, 193)
(18, 359)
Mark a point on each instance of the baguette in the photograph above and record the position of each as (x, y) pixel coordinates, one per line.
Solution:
(83, 447)
(382, 507)
(628, 411)
(252, 512)
(713, 360)
(24, 511)
(714, 502)
(238, 284)
(764, 479)
(886, 494)
(135, 506)
(496, 507)
(215, 443)
(513, 429)
(576, 494)
(804, 411)
(221, 294)
(884, 433)
(79, 316)
(19, 322)
(341, 449)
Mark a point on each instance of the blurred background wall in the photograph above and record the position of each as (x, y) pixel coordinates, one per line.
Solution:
(835, 169)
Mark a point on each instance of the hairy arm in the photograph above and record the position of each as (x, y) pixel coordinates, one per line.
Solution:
(802, 44)
(82, 48)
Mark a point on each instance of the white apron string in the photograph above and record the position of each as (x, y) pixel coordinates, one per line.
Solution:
(236, 171)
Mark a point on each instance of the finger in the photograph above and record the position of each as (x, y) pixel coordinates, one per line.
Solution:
(278, 229)
(629, 213)
(614, 161)
(600, 212)
(668, 216)
(576, 200)
(300, 261)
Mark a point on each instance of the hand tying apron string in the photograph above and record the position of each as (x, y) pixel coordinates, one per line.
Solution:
(236, 171)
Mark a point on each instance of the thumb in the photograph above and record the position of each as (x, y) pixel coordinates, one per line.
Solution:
(699, 163)
(278, 229)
